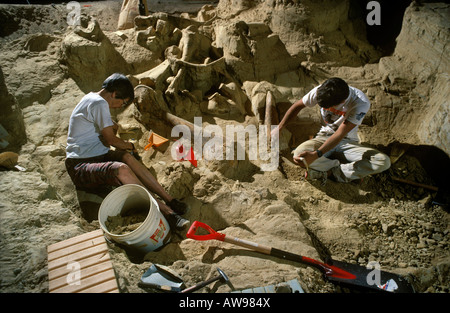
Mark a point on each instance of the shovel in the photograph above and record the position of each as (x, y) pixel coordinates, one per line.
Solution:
(350, 275)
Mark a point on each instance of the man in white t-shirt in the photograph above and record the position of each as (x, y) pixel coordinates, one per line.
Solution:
(90, 161)
(342, 108)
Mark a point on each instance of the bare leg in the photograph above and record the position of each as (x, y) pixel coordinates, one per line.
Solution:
(136, 172)
(127, 176)
(146, 178)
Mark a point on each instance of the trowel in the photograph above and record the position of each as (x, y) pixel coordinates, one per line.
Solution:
(162, 278)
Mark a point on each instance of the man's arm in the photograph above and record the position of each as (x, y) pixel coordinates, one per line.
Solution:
(330, 143)
(290, 114)
(110, 139)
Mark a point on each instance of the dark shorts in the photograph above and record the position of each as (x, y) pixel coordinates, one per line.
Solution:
(95, 172)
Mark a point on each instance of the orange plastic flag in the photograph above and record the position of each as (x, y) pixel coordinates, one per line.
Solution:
(190, 158)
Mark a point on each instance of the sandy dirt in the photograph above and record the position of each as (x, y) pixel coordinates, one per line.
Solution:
(121, 225)
(46, 67)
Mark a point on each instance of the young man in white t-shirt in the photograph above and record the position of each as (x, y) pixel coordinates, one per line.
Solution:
(92, 164)
(342, 109)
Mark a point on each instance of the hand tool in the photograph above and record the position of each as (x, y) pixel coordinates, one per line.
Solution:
(222, 277)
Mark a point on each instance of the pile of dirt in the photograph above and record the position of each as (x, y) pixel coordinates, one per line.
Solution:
(219, 63)
(124, 224)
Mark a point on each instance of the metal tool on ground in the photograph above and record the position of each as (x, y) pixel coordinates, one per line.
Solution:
(413, 183)
(222, 277)
(349, 275)
(162, 278)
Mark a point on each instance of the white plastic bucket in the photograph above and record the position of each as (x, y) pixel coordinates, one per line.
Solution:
(151, 234)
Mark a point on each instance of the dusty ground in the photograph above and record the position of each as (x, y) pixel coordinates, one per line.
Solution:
(403, 227)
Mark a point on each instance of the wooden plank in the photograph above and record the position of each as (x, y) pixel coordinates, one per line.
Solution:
(65, 270)
(87, 282)
(81, 264)
(84, 272)
(75, 240)
(109, 286)
(77, 256)
(75, 248)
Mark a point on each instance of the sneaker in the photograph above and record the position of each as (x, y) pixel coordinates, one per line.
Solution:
(178, 206)
(177, 222)
(316, 175)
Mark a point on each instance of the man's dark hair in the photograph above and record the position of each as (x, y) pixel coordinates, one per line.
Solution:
(332, 92)
(121, 85)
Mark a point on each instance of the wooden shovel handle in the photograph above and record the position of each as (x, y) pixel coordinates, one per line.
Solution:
(248, 244)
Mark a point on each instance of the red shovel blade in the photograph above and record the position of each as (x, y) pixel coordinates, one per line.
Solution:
(330, 270)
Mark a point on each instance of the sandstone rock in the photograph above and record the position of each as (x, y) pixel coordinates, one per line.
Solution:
(99, 58)
(285, 47)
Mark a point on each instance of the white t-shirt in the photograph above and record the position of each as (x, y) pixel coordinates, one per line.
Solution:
(353, 109)
(88, 119)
